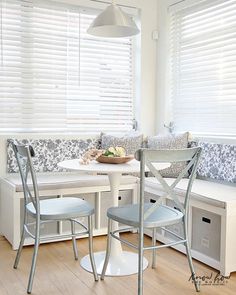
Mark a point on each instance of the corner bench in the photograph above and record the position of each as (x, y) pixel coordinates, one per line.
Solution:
(212, 208)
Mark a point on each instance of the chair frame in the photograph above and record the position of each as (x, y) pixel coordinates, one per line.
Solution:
(25, 153)
(146, 157)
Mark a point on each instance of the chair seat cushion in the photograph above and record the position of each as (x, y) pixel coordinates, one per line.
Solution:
(62, 181)
(129, 215)
(61, 208)
(210, 192)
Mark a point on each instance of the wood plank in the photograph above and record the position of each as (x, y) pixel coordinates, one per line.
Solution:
(59, 274)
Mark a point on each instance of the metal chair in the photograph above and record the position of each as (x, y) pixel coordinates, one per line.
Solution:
(154, 215)
(48, 210)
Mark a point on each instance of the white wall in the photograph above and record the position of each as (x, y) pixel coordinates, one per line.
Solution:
(148, 66)
(162, 105)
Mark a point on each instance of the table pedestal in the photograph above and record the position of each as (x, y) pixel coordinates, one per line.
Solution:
(121, 263)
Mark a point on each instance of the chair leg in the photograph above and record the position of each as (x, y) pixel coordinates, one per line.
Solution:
(190, 261)
(108, 250)
(74, 239)
(90, 229)
(154, 252)
(140, 264)
(34, 259)
(20, 248)
(189, 256)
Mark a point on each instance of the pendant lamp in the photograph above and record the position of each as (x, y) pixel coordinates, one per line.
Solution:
(113, 23)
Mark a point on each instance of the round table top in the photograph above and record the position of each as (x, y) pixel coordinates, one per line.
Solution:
(94, 166)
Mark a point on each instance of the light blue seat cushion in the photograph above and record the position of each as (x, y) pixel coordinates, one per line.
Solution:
(129, 215)
(64, 208)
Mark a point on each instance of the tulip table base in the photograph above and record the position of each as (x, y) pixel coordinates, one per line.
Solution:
(123, 265)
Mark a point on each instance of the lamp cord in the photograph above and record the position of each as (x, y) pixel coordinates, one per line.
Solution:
(120, 5)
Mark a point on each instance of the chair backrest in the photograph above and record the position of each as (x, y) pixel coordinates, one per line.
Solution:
(148, 158)
(24, 154)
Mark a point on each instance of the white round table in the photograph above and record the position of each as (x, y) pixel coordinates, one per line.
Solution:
(121, 263)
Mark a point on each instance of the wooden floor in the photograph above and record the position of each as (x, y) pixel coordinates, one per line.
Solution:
(58, 273)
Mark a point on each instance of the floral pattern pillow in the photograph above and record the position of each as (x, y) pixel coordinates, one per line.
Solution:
(172, 141)
(49, 152)
(218, 161)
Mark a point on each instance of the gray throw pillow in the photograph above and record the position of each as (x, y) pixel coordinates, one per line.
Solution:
(131, 143)
(172, 141)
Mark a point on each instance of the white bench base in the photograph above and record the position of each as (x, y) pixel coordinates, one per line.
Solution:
(212, 221)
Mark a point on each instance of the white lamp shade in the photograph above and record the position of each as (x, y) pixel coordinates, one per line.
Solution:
(114, 23)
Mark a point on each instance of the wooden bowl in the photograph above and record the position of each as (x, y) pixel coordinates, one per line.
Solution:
(114, 160)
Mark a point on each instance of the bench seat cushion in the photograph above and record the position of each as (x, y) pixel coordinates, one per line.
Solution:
(209, 192)
(62, 181)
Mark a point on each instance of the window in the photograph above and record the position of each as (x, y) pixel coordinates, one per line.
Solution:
(55, 77)
(203, 66)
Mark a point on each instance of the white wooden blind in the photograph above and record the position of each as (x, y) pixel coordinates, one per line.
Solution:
(55, 77)
(203, 67)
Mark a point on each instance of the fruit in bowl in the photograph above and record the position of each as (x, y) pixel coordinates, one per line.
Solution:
(117, 151)
(114, 155)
